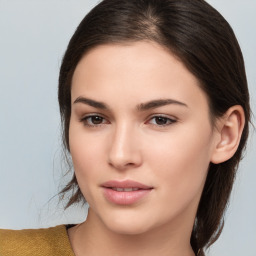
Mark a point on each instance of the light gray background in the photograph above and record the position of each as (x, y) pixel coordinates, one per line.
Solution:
(33, 38)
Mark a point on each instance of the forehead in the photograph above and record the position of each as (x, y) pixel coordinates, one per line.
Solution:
(136, 59)
(140, 71)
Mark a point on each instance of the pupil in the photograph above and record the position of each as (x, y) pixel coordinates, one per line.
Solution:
(97, 119)
(161, 120)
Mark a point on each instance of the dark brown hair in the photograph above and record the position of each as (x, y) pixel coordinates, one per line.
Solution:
(203, 40)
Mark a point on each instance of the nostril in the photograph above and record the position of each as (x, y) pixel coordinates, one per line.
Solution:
(122, 164)
(124, 151)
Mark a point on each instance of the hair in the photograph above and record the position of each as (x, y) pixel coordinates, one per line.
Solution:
(204, 41)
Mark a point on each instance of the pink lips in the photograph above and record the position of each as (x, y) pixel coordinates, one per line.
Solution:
(125, 192)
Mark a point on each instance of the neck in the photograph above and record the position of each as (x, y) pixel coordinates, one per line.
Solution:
(93, 238)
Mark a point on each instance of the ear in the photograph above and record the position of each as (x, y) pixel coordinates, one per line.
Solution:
(229, 131)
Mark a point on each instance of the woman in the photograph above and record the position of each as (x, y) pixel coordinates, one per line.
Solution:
(155, 109)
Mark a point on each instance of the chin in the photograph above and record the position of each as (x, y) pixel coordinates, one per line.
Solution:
(128, 229)
(126, 224)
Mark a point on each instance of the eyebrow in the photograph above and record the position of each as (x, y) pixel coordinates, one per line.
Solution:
(159, 103)
(141, 107)
(92, 103)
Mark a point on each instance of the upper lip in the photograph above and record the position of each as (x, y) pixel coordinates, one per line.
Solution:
(125, 184)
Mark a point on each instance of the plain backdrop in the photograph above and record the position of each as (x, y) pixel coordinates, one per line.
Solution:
(33, 37)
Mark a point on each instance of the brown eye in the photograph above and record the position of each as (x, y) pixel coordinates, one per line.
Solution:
(96, 119)
(161, 121)
(93, 120)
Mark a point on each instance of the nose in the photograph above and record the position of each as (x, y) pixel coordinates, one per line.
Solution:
(124, 152)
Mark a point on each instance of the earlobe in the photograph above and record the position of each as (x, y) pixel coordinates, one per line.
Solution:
(230, 128)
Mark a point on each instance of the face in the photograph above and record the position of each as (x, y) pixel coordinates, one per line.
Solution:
(140, 137)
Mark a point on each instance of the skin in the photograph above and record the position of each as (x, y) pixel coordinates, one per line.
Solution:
(126, 141)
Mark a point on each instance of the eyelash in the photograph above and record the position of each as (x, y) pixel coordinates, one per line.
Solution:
(85, 121)
(167, 119)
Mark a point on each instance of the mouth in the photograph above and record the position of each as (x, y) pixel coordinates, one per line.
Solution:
(126, 185)
(125, 192)
(125, 189)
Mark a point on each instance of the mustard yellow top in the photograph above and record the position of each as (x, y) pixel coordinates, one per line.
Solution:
(35, 242)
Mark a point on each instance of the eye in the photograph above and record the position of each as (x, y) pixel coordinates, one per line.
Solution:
(93, 120)
(161, 121)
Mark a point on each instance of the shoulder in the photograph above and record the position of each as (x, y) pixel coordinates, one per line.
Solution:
(41, 242)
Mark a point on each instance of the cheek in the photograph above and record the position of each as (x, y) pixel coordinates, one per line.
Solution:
(86, 154)
(182, 160)
(87, 170)
(86, 158)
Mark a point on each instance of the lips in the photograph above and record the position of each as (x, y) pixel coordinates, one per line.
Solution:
(125, 192)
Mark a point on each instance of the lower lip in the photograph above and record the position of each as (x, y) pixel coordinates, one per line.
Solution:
(125, 198)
